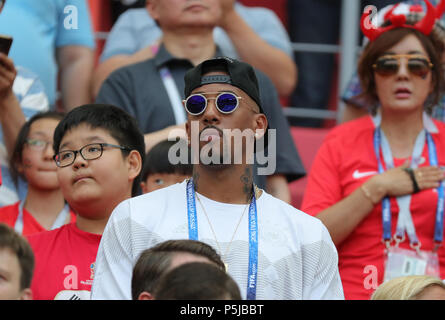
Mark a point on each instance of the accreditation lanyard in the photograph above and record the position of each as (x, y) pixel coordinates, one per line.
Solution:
(405, 222)
(60, 220)
(173, 95)
(253, 236)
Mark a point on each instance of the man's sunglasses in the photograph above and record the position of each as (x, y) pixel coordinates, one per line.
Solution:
(389, 65)
(226, 102)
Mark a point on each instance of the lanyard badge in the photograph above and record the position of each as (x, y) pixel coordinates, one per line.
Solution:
(403, 262)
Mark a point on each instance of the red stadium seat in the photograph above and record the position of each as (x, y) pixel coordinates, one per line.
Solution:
(307, 141)
(100, 15)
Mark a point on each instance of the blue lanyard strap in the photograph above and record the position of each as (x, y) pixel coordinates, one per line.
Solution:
(253, 236)
(253, 250)
(438, 229)
(191, 211)
(405, 220)
(386, 205)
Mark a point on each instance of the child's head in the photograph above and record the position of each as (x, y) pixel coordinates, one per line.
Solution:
(417, 287)
(197, 281)
(158, 172)
(32, 157)
(165, 256)
(16, 265)
(99, 153)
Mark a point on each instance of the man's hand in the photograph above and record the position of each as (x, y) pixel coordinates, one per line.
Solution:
(228, 10)
(271, 60)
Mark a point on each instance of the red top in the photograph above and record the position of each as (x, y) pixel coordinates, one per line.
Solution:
(344, 162)
(9, 214)
(64, 266)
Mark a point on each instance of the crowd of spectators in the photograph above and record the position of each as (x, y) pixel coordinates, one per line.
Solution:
(93, 207)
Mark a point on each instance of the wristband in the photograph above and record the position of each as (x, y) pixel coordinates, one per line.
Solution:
(410, 172)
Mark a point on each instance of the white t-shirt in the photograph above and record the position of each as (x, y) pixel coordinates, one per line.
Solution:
(296, 256)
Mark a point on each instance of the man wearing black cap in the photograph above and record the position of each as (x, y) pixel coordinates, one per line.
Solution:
(152, 90)
(272, 250)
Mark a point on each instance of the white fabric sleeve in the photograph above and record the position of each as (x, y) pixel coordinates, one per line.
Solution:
(114, 261)
(326, 283)
(30, 92)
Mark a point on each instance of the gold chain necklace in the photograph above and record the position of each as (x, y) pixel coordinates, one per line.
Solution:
(236, 229)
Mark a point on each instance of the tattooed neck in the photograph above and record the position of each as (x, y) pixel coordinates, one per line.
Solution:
(195, 180)
(228, 186)
(247, 183)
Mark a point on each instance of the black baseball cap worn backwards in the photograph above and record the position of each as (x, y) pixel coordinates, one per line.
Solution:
(240, 75)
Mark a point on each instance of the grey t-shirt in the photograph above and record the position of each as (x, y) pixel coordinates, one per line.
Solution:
(135, 29)
(139, 90)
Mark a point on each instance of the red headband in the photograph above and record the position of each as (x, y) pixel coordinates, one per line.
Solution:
(425, 25)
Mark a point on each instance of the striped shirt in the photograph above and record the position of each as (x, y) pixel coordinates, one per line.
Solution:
(296, 256)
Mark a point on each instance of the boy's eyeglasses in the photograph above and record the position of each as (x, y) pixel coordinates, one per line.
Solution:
(89, 152)
(226, 102)
(389, 65)
(37, 144)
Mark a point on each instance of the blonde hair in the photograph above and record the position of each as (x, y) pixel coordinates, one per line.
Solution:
(405, 288)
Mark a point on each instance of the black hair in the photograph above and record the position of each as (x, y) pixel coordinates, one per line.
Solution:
(10, 239)
(197, 281)
(118, 123)
(16, 157)
(154, 262)
(156, 161)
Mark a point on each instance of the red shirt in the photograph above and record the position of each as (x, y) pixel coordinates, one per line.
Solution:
(344, 162)
(64, 266)
(9, 214)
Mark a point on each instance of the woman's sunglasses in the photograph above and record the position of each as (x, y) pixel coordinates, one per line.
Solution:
(389, 65)
(226, 102)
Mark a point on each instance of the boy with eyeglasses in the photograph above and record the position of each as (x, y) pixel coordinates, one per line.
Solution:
(99, 152)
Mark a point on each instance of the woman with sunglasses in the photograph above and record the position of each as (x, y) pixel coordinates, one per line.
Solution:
(356, 106)
(377, 180)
